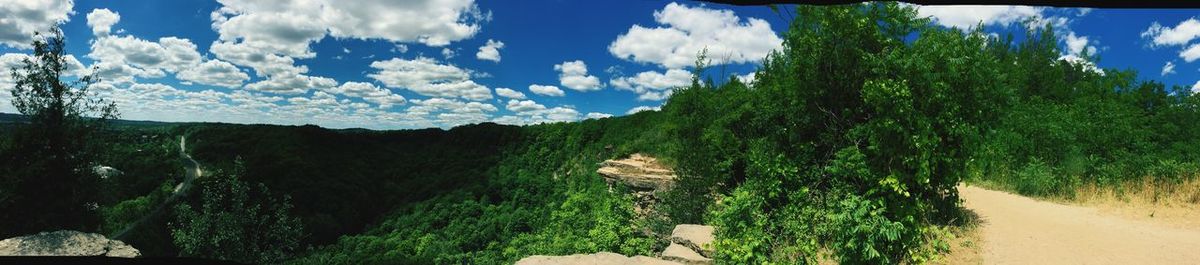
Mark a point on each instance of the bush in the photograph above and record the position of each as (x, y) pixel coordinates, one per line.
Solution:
(237, 223)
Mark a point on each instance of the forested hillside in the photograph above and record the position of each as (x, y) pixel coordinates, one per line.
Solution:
(850, 141)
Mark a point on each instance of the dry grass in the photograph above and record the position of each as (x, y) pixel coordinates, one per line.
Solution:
(1174, 204)
(965, 241)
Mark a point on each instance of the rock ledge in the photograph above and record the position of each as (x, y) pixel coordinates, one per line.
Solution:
(66, 243)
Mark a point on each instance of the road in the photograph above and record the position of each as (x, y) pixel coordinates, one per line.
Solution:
(1020, 230)
(192, 171)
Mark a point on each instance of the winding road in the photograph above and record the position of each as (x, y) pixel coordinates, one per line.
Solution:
(192, 171)
(1020, 230)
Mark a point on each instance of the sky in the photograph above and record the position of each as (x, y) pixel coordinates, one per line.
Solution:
(383, 64)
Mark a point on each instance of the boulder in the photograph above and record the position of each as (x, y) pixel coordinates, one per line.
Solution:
(66, 243)
(696, 237)
(685, 255)
(602, 258)
(638, 171)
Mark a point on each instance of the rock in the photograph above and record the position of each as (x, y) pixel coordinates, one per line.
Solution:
(105, 171)
(696, 237)
(638, 171)
(66, 243)
(685, 255)
(602, 258)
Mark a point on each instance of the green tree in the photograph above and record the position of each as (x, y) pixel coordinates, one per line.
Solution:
(238, 223)
(47, 165)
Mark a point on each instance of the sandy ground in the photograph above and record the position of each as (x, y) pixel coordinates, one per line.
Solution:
(1020, 230)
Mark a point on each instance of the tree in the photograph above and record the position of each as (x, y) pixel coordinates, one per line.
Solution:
(237, 223)
(46, 164)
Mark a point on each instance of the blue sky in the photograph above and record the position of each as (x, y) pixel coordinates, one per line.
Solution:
(440, 63)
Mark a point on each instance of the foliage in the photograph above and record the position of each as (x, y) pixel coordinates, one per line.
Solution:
(47, 163)
(238, 223)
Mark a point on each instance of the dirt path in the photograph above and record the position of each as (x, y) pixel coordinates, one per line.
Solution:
(191, 172)
(1020, 230)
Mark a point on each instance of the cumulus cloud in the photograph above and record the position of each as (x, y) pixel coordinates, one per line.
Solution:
(292, 84)
(167, 54)
(651, 85)
(490, 51)
(530, 112)
(1196, 87)
(1087, 65)
(509, 93)
(523, 106)
(214, 72)
(382, 97)
(264, 64)
(1181, 34)
(641, 109)
(545, 90)
(967, 16)
(287, 27)
(19, 19)
(747, 78)
(427, 77)
(101, 21)
(598, 115)
(573, 75)
(685, 31)
(1169, 68)
(1076, 44)
(1191, 53)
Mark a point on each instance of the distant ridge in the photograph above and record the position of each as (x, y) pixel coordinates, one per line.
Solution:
(18, 118)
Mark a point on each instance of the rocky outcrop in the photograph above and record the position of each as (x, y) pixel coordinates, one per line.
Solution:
(690, 244)
(643, 174)
(699, 238)
(66, 243)
(638, 171)
(602, 258)
(685, 255)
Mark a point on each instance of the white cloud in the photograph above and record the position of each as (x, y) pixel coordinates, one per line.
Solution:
(651, 85)
(1181, 34)
(19, 19)
(287, 27)
(573, 75)
(490, 51)
(169, 53)
(427, 77)
(641, 109)
(523, 106)
(747, 78)
(1191, 53)
(1084, 11)
(967, 16)
(101, 21)
(1196, 88)
(689, 30)
(1087, 65)
(1169, 68)
(370, 93)
(448, 53)
(544, 90)
(1076, 44)
(597, 115)
(530, 112)
(214, 72)
(292, 84)
(264, 64)
(509, 93)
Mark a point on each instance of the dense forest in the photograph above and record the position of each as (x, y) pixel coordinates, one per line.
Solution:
(850, 141)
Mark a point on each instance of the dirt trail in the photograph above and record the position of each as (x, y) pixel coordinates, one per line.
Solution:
(192, 171)
(1020, 230)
